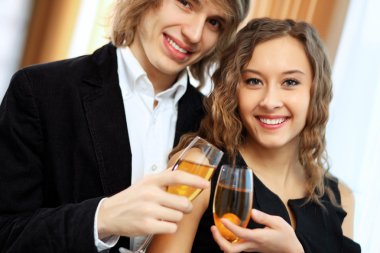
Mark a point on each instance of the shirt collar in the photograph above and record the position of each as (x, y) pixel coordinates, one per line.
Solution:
(132, 68)
(134, 71)
(178, 89)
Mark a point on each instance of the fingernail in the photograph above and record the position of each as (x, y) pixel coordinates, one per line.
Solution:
(189, 206)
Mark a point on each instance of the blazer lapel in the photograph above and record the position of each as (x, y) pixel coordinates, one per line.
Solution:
(190, 112)
(104, 109)
(103, 105)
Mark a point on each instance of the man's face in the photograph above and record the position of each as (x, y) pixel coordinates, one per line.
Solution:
(176, 35)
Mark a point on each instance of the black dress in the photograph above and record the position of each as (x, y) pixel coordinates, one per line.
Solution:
(318, 229)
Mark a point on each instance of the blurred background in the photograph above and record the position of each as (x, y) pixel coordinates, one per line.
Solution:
(37, 31)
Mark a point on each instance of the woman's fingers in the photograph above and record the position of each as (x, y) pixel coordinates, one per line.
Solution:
(219, 239)
(227, 246)
(276, 236)
(265, 219)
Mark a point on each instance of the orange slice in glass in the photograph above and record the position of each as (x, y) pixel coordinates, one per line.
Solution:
(226, 233)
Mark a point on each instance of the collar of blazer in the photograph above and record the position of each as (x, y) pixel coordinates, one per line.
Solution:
(104, 112)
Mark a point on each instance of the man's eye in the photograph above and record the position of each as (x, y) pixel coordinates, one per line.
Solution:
(216, 24)
(185, 3)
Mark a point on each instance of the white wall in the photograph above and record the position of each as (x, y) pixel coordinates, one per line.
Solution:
(353, 133)
(13, 25)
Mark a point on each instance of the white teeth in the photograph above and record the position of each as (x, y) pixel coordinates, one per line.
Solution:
(178, 48)
(272, 121)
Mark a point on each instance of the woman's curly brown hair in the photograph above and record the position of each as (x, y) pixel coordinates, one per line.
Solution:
(223, 126)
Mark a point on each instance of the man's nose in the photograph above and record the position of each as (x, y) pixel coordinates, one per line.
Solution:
(194, 28)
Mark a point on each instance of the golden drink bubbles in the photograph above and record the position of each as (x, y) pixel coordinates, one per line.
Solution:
(199, 158)
(205, 171)
(237, 210)
(233, 199)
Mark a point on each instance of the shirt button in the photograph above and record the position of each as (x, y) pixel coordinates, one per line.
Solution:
(154, 167)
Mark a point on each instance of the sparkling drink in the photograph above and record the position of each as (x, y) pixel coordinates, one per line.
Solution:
(233, 199)
(199, 158)
(205, 171)
(237, 211)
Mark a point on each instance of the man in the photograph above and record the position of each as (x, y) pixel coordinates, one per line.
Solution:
(78, 136)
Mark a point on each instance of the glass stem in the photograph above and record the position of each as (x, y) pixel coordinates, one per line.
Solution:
(145, 244)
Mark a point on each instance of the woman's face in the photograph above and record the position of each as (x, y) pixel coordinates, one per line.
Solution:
(274, 94)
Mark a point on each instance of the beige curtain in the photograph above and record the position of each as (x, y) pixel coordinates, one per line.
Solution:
(51, 26)
(326, 15)
(53, 22)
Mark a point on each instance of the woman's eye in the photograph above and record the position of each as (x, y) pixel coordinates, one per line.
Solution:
(291, 82)
(253, 81)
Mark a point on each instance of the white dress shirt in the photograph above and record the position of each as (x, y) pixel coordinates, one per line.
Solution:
(151, 129)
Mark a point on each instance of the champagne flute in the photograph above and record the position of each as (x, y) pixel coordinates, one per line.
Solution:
(200, 158)
(233, 199)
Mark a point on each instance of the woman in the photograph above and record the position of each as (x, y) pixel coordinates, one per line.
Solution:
(269, 110)
(79, 138)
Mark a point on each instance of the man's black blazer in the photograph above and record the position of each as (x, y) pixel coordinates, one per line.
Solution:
(63, 146)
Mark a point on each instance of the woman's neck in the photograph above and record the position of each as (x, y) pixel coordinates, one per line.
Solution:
(278, 168)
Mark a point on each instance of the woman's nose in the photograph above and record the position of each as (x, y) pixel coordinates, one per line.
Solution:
(271, 98)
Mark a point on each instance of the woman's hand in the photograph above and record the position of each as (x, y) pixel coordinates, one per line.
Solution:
(277, 236)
